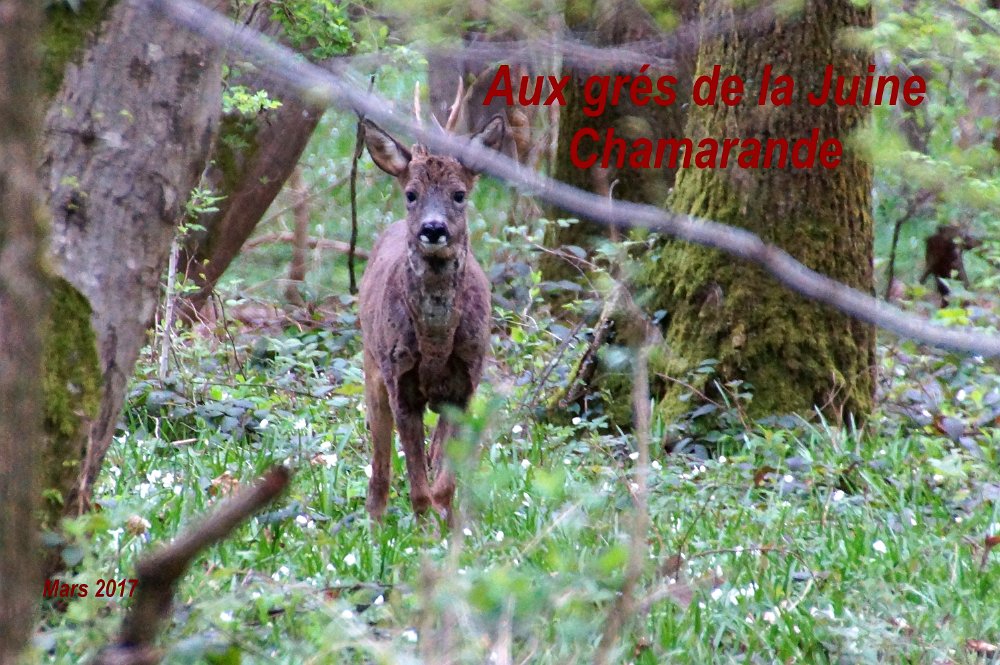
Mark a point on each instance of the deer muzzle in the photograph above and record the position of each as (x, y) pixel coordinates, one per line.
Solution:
(434, 233)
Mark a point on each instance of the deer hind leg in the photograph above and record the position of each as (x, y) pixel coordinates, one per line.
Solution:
(443, 491)
(380, 425)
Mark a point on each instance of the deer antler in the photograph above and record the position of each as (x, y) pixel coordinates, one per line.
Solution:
(455, 111)
(417, 113)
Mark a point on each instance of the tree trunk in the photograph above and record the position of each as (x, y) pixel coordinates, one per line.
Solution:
(796, 354)
(608, 23)
(249, 165)
(23, 307)
(127, 139)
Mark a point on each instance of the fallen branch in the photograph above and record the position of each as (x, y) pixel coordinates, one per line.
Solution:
(311, 243)
(159, 571)
(324, 87)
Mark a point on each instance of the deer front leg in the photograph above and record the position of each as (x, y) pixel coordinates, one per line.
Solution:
(443, 492)
(380, 426)
(410, 424)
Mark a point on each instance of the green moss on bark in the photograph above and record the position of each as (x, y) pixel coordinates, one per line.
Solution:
(66, 35)
(72, 385)
(796, 354)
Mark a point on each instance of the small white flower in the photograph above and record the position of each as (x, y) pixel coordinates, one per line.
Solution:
(264, 423)
(771, 616)
(115, 471)
(408, 550)
(329, 460)
(144, 490)
(879, 547)
(796, 630)
(576, 420)
(347, 614)
(716, 594)
(937, 478)
(300, 424)
(410, 635)
(350, 559)
(330, 567)
(655, 464)
(301, 520)
(960, 395)
(154, 475)
(525, 464)
(788, 478)
(400, 453)
(168, 479)
(722, 459)
(226, 616)
(517, 429)
(368, 470)
(379, 600)
(498, 536)
(838, 496)
(958, 520)
(633, 456)
(468, 532)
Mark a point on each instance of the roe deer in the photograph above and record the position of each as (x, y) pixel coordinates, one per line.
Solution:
(425, 317)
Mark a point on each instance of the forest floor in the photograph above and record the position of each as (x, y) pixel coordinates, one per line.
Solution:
(788, 541)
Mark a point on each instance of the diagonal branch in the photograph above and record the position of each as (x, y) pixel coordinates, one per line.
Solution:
(337, 89)
(159, 572)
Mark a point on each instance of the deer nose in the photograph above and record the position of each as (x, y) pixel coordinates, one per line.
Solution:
(434, 233)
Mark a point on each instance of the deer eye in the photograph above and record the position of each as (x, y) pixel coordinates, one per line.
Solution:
(411, 196)
(458, 196)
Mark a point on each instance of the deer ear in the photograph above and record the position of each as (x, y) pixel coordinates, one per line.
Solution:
(490, 136)
(387, 153)
(493, 133)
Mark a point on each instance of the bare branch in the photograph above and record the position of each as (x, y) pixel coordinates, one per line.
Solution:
(311, 242)
(325, 87)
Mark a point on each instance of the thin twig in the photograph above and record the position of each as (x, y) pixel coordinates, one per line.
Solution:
(624, 606)
(311, 242)
(359, 147)
(168, 314)
(911, 209)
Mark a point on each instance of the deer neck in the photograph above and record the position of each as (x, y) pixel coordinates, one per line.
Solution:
(433, 287)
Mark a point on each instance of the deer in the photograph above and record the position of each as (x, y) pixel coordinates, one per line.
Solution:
(425, 317)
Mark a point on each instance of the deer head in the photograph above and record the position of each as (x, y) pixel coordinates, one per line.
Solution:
(436, 187)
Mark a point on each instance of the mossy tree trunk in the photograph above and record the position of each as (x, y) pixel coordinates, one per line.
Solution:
(608, 23)
(248, 167)
(127, 138)
(796, 354)
(23, 307)
(71, 379)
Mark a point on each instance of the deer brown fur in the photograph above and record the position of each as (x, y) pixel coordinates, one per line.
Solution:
(944, 259)
(425, 318)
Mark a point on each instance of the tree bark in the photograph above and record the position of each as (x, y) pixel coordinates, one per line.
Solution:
(608, 23)
(796, 354)
(127, 139)
(23, 308)
(249, 165)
